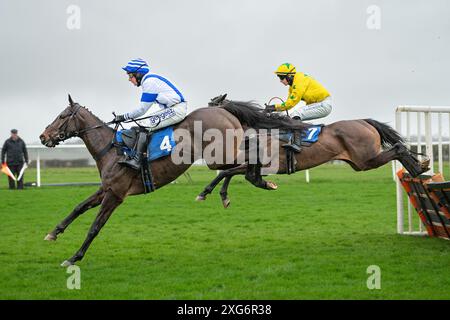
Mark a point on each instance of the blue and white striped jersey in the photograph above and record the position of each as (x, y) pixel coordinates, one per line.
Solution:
(156, 89)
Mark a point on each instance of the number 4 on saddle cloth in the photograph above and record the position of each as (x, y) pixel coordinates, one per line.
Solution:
(160, 144)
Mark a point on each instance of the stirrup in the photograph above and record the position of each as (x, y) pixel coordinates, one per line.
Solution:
(132, 163)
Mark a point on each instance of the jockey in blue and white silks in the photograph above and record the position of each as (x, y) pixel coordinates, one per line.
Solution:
(155, 90)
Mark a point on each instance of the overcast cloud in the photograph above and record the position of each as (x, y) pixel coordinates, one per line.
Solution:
(210, 47)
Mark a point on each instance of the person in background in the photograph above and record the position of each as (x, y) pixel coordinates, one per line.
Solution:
(15, 153)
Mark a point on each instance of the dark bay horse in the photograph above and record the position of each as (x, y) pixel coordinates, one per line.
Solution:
(118, 182)
(364, 144)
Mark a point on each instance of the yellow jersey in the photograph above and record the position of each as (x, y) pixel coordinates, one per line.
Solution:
(303, 88)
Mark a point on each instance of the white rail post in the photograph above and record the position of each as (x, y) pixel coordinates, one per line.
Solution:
(408, 138)
(429, 141)
(38, 170)
(400, 210)
(440, 162)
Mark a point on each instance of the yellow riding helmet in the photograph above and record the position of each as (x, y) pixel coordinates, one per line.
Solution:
(285, 69)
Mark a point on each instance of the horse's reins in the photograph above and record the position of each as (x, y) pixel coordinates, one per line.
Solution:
(270, 101)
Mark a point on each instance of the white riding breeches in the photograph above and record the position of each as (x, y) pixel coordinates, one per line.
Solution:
(313, 111)
(166, 117)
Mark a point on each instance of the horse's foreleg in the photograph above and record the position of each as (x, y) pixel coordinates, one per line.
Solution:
(225, 173)
(91, 202)
(224, 192)
(109, 203)
(253, 175)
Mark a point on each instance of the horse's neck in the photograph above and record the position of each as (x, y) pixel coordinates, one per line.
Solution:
(96, 140)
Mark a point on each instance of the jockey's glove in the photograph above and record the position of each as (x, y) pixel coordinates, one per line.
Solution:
(119, 118)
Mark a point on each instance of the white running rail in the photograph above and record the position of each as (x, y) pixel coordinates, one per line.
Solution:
(426, 123)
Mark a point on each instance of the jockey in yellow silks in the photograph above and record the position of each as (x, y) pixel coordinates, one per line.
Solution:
(302, 87)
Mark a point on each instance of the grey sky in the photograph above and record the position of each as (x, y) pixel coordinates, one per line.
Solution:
(212, 47)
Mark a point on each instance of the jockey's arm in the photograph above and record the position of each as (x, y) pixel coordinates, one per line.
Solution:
(296, 92)
(147, 100)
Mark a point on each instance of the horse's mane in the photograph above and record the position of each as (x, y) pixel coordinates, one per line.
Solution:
(252, 114)
(93, 115)
(90, 112)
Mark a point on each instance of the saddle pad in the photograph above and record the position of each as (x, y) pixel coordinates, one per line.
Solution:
(160, 145)
(311, 134)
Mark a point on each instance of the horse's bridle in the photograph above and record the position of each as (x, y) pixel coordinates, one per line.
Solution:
(62, 134)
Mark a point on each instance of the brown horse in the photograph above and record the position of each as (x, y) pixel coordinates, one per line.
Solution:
(118, 182)
(364, 144)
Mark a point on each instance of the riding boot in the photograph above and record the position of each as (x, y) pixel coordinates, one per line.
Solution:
(294, 143)
(135, 161)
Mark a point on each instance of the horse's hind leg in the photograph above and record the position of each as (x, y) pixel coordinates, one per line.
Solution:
(109, 203)
(397, 152)
(241, 169)
(91, 202)
(381, 159)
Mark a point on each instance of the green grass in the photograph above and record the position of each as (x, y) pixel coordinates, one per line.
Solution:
(303, 241)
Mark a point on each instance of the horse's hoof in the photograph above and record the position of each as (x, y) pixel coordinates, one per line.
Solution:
(226, 203)
(50, 237)
(271, 185)
(200, 198)
(66, 264)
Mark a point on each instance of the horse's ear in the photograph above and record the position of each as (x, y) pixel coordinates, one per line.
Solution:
(222, 98)
(70, 100)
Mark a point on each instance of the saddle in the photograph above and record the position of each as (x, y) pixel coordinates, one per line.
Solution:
(159, 144)
(127, 138)
(125, 141)
(300, 138)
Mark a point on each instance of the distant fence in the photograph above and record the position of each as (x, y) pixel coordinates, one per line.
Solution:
(65, 155)
(73, 155)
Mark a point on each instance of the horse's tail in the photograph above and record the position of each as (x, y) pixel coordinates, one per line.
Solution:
(250, 114)
(388, 135)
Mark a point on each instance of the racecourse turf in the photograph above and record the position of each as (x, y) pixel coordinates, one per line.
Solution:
(302, 241)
